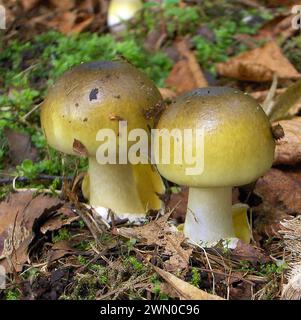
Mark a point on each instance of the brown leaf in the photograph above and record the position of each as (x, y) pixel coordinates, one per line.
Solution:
(177, 204)
(154, 39)
(29, 4)
(159, 232)
(167, 93)
(288, 149)
(280, 26)
(19, 216)
(259, 65)
(79, 148)
(63, 5)
(247, 252)
(277, 3)
(20, 147)
(281, 190)
(59, 250)
(185, 290)
(82, 25)
(289, 102)
(63, 217)
(167, 289)
(64, 22)
(186, 74)
(241, 291)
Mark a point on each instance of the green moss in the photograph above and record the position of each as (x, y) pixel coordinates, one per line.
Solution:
(195, 277)
(134, 263)
(12, 295)
(63, 235)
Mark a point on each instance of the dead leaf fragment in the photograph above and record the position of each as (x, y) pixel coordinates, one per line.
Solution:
(59, 250)
(281, 189)
(159, 232)
(20, 147)
(79, 148)
(177, 204)
(186, 74)
(64, 216)
(167, 93)
(185, 290)
(259, 65)
(278, 27)
(19, 216)
(280, 192)
(247, 252)
(288, 102)
(288, 149)
(29, 4)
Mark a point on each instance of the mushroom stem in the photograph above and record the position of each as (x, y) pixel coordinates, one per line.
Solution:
(209, 215)
(128, 190)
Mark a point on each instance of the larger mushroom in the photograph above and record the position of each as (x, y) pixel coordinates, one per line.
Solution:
(238, 148)
(94, 96)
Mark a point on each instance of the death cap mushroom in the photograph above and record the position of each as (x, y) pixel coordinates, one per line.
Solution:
(94, 96)
(238, 148)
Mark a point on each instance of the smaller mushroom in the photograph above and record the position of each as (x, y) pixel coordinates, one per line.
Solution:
(238, 149)
(120, 11)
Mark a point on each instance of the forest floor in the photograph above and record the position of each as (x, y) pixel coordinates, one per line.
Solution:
(52, 245)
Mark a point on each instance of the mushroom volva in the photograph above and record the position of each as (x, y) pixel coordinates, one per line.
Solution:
(94, 96)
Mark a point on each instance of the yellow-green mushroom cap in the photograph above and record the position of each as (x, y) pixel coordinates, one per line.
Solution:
(94, 96)
(238, 142)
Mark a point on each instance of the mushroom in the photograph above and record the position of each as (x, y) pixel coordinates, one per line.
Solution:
(238, 149)
(98, 95)
(120, 11)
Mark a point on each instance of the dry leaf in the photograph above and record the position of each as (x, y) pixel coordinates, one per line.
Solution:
(29, 4)
(287, 103)
(79, 148)
(247, 252)
(63, 5)
(280, 192)
(177, 204)
(281, 189)
(185, 290)
(159, 232)
(186, 74)
(277, 3)
(259, 65)
(167, 93)
(280, 26)
(19, 216)
(64, 22)
(63, 217)
(288, 149)
(20, 147)
(59, 250)
(83, 25)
